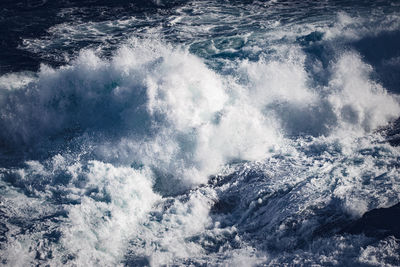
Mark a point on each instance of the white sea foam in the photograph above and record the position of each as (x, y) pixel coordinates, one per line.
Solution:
(162, 107)
(14, 81)
(104, 205)
(358, 101)
(152, 123)
(166, 109)
(386, 252)
(357, 27)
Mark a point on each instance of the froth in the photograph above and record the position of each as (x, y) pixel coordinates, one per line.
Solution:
(85, 211)
(142, 137)
(358, 101)
(157, 106)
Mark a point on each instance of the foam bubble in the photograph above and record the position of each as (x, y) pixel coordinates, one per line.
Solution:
(86, 213)
(161, 107)
(101, 225)
(259, 152)
(384, 252)
(358, 101)
(355, 27)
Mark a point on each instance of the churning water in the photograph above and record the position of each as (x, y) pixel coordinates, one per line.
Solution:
(232, 133)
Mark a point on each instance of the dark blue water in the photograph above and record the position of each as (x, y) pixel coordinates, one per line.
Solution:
(233, 133)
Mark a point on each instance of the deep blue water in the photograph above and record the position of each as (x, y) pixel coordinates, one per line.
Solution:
(199, 133)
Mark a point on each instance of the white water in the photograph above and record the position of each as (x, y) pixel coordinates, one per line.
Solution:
(135, 139)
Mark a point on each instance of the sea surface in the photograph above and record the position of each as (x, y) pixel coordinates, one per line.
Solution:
(199, 133)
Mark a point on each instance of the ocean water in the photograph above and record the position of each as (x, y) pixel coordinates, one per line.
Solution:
(199, 133)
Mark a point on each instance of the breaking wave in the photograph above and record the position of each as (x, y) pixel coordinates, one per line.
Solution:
(155, 156)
